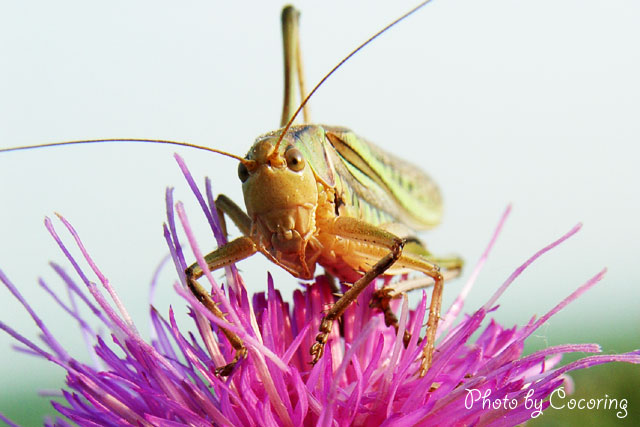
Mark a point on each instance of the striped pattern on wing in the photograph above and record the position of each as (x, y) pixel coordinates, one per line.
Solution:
(381, 187)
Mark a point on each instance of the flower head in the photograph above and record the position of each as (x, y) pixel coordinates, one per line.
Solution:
(366, 377)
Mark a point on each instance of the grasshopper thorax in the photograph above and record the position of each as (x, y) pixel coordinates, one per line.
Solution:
(280, 193)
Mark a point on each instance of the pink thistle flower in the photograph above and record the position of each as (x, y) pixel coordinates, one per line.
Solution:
(366, 377)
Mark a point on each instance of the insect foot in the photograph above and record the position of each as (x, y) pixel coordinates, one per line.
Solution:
(381, 299)
(317, 349)
(192, 273)
(225, 371)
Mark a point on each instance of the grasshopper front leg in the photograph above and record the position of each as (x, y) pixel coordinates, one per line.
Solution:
(224, 205)
(233, 251)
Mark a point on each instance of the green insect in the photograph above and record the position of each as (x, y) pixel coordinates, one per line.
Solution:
(321, 195)
(318, 194)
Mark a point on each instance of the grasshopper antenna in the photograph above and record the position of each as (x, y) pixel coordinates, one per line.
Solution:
(250, 164)
(334, 69)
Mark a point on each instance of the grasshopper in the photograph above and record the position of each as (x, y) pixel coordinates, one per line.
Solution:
(321, 195)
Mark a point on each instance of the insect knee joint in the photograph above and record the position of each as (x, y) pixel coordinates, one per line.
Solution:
(397, 247)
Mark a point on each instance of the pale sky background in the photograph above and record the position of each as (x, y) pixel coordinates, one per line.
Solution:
(531, 103)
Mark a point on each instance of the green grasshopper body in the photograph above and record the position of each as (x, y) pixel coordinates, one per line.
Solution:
(321, 195)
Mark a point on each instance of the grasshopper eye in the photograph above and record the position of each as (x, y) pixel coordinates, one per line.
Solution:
(294, 158)
(243, 172)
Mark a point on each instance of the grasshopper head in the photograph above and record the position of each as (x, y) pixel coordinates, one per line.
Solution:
(280, 193)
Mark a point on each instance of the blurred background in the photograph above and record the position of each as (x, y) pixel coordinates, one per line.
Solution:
(530, 103)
